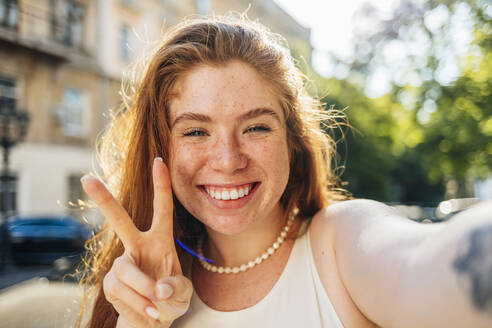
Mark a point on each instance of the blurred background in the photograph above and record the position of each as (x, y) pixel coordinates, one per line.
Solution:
(413, 77)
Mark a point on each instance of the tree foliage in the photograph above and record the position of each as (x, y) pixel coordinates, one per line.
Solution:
(434, 125)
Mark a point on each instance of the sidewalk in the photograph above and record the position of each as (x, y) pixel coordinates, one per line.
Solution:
(39, 303)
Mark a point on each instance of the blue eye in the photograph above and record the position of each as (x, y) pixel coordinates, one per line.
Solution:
(258, 128)
(194, 133)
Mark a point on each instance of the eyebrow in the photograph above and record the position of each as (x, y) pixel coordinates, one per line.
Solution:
(244, 117)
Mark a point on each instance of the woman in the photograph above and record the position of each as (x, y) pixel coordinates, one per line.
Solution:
(221, 149)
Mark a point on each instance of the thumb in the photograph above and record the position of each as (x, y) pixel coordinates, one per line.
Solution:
(174, 295)
(174, 289)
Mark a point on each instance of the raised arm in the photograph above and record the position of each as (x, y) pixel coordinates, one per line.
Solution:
(404, 274)
(451, 274)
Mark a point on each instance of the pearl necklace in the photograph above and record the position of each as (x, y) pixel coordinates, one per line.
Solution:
(241, 268)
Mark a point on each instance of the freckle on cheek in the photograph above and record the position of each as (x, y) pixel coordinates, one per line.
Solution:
(182, 170)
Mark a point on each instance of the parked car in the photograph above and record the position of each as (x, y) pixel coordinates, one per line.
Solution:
(41, 239)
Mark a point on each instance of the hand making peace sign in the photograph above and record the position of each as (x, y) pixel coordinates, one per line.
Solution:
(145, 284)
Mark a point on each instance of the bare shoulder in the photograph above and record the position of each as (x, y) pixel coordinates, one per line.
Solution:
(369, 242)
(360, 208)
(349, 219)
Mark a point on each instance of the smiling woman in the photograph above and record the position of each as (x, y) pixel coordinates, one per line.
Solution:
(222, 103)
(221, 151)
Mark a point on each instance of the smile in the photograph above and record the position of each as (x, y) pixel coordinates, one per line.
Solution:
(229, 193)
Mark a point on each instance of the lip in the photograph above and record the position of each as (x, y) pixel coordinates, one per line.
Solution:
(233, 203)
(228, 185)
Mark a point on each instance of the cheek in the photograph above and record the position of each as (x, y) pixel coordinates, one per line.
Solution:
(282, 164)
(274, 156)
(184, 162)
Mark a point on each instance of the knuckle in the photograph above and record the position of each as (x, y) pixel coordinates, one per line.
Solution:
(110, 287)
(119, 266)
(188, 288)
(184, 284)
(184, 290)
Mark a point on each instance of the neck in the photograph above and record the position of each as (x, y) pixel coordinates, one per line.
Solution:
(234, 250)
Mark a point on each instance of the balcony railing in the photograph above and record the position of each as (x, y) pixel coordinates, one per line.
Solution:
(50, 29)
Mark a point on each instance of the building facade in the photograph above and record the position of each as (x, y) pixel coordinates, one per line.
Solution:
(63, 62)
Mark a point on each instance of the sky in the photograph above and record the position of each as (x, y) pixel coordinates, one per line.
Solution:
(331, 25)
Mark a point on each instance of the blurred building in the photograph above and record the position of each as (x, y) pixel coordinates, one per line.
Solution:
(63, 61)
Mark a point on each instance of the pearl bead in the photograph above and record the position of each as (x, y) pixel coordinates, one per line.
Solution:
(270, 251)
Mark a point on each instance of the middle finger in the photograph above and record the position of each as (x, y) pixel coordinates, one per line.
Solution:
(162, 221)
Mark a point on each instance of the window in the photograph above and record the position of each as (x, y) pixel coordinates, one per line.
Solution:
(7, 92)
(67, 22)
(125, 42)
(74, 113)
(9, 11)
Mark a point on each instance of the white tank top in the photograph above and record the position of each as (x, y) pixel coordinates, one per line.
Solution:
(298, 299)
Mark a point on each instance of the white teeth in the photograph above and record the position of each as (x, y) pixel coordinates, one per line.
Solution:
(234, 194)
(229, 194)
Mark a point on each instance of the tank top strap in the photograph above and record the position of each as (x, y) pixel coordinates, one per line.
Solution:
(327, 310)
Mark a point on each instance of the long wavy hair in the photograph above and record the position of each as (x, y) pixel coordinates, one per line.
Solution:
(139, 131)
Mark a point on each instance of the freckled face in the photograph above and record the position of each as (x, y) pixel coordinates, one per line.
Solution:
(229, 158)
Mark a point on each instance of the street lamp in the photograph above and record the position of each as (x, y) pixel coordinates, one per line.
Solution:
(13, 129)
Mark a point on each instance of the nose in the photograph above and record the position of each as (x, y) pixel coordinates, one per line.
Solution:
(227, 155)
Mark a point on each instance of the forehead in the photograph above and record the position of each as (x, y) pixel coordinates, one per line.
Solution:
(227, 89)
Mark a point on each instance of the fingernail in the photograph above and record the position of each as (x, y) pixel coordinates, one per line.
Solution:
(152, 312)
(86, 177)
(158, 159)
(164, 291)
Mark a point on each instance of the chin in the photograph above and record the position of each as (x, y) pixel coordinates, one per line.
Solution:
(227, 225)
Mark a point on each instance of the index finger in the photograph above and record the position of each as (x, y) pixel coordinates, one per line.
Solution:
(118, 218)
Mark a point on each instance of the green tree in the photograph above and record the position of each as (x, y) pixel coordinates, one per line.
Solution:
(429, 128)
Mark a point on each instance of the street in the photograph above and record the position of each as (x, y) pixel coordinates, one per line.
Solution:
(29, 299)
